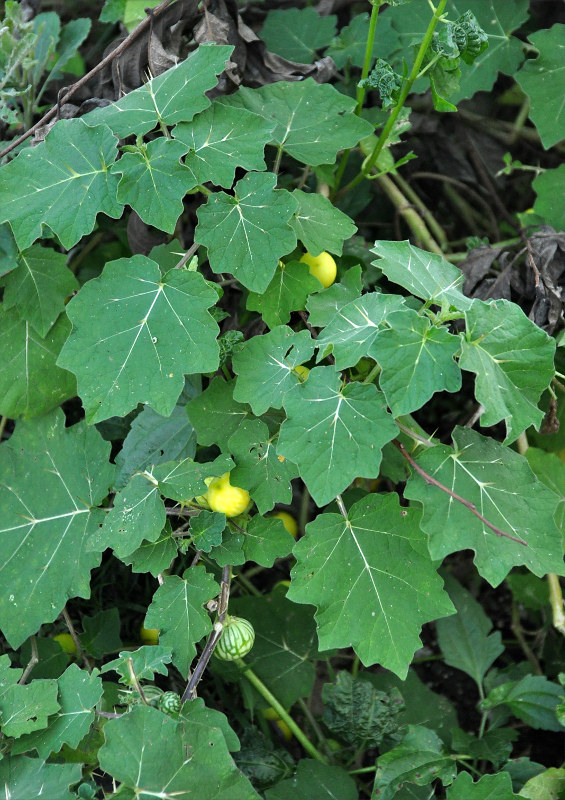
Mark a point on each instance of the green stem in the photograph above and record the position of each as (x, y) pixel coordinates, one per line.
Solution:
(3, 421)
(376, 4)
(375, 7)
(372, 374)
(304, 509)
(405, 91)
(556, 600)
(258, 684)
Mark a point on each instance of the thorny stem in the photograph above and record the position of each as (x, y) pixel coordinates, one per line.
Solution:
(471, 506)
(404, 92)
(258, 684)
(190, 690)
(85, 78)
(188, 255)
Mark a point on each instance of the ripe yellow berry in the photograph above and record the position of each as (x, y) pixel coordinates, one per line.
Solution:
(225, 498)
(66, 641)
(149, 635)
(322, 267)
(288, 521)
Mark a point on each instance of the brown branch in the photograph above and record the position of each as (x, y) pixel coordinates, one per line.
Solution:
(190, 691)
(85, 78)
(471, 506)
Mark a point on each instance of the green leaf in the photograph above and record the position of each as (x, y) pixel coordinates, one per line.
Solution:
(177, 611)
(384, 585)
(359, 714)
(288, 290)
(550, 470)
(385, 80)
(31, 383)
(465, 639)
(259, 469)
(215, 414)
(513, 361)
(136, 335)
(79, 692)
(266, 540)
(153, 182)
(549, 189)
(138, 513)
(32, 777)
(533, 700)
(494, 746)
(350, 43)
(352, 331)
(287, 670)
(423, 707)
(153, 557)
(546, 786)
(101, 633)
(221, 139)
(312, 120)
(323, 306)
(176, 95)
(416, 359)
(39, 286)
(326, 432)
(165, 768)
(206, 530)
(247, 233)
(489, 787)
(320, 225)
(153, 439)
(420, 758)
(24, 709)
(146, 661)
(313, 779)
(183, 480)
(39, 187)
(501, 485)
(265, 367)
(424, 274)
(504, 52)
(52, 477)
(296, 34)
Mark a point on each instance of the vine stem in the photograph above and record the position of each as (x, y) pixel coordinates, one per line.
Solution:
(190, 690)
(404, 92)
(258, 684)
(407, 211)
(85, 78)
(471, 506)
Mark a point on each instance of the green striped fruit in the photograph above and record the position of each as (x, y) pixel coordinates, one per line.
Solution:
(169, 703)
(236, 640)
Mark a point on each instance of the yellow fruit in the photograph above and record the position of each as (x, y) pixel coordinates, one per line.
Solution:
(149, 635)
(322, 267)
(272, 716)
(225, 498)
(288, 521)
(302, 372)
(66, 641)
